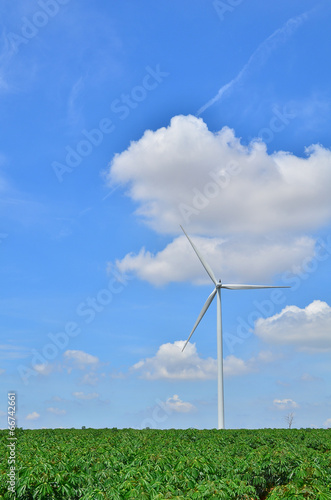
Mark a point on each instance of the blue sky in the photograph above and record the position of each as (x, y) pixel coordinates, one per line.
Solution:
(119, 122)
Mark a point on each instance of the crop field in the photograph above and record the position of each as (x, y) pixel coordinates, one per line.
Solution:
(96, 464)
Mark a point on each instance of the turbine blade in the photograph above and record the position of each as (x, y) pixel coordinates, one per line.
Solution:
(249, 287)
(201, 315)
(203, 262)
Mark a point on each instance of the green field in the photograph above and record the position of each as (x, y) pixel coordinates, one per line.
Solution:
(157, 464)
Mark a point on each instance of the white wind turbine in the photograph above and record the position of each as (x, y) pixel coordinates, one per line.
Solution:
(217, 291)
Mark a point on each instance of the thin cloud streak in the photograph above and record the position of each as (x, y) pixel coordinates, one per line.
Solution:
(260, 55)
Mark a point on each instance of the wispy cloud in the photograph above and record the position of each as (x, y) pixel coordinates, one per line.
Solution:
(75, 116)
(259, 56)
(90, 378)
(82, 395)
(8, 351)
(56, 411)
(32, 416)
(6, 55)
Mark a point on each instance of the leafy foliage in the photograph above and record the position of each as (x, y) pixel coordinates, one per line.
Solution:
(102, 464)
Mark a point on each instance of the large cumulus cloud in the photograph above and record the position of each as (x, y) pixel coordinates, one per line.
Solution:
(259, 208)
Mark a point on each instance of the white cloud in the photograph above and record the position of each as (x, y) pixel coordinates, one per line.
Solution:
(89, 379)
(307, 377)
(235, 366)
(56, 411)
(177, 262)
(285, 404)
(82, 395)
(265, 193)
(308, 329)
(44, 368)
(173, 364)
(32, 416)
(175, 404)
(81, 359)
(327, 422)
(257, 206)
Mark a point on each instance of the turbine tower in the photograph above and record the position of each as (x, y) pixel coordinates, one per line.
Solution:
(217, 291)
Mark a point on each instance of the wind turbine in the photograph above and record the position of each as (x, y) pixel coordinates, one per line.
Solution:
(217, 291)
